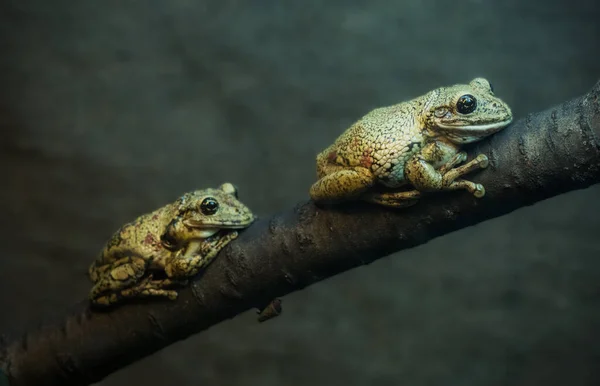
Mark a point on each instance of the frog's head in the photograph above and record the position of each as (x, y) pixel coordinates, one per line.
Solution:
(211, 210)
(466, 113)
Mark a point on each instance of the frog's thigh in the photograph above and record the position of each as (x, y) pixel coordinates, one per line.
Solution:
(341, 184)
(393, 199)
(121, 274)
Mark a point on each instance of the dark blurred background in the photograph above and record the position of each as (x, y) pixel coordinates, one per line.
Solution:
(112, 108)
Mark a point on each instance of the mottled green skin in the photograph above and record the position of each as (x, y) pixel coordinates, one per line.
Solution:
(178, 239)
(413, 143)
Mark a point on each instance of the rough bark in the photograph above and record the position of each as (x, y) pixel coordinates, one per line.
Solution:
(540, 156)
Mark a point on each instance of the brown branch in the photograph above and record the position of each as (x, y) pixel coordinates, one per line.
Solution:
(543, 155)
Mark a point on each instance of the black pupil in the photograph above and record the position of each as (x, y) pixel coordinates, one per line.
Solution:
(209, 206)
(466, 104)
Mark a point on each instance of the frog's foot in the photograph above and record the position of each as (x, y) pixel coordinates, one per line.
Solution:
(134, 292)
(479, 162)
(476, 189)
(150, 287)
(449, 178)
(139, 292)
(145, 288)
(105, 300)
(424, 177)
(457, 159)
(119, 275)
(342, 184)
(393, 199)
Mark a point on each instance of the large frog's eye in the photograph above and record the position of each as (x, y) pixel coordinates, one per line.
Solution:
(466, 104)
(209, 206)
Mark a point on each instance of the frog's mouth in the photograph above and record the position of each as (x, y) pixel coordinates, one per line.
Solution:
(472, 133)
(208, 230)
(481, 130)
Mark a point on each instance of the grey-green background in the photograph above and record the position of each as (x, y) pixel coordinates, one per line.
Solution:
(112, 108)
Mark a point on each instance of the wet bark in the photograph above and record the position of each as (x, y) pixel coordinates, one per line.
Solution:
(540, 156)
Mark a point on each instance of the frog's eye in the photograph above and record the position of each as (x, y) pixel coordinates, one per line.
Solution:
(466, 104)
(209, 206)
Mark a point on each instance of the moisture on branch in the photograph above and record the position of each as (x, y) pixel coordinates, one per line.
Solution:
(543, 155)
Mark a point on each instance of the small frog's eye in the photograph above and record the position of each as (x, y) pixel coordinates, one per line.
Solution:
(466, 104)
(209, 206)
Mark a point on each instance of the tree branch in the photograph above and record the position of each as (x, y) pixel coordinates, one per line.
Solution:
(543, 155)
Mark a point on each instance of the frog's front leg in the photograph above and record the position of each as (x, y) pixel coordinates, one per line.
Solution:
(421, 173)
(341, 183)
(444, 178)
(185, 266)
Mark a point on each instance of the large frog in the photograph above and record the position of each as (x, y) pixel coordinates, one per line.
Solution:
(177, 240)
(414, 145)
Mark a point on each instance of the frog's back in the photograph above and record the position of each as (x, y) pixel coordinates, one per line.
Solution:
(383, 134)
(140, 237)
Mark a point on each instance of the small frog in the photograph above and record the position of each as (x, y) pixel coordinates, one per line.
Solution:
(178, 239)
(415, 143)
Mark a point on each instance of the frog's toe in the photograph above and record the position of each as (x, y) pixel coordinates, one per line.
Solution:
(461, 157)
(483, 161)
(104, 301)
(479, 191)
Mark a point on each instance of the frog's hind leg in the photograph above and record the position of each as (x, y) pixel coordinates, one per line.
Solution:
(119, 275)
(145, 288)
(341, 183)
(150, 287)
(393, 199)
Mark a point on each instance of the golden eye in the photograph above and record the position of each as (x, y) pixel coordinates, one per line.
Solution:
(209, 206)
(466, 104)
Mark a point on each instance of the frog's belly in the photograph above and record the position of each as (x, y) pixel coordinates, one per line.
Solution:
(393, 178)
(391, 174)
